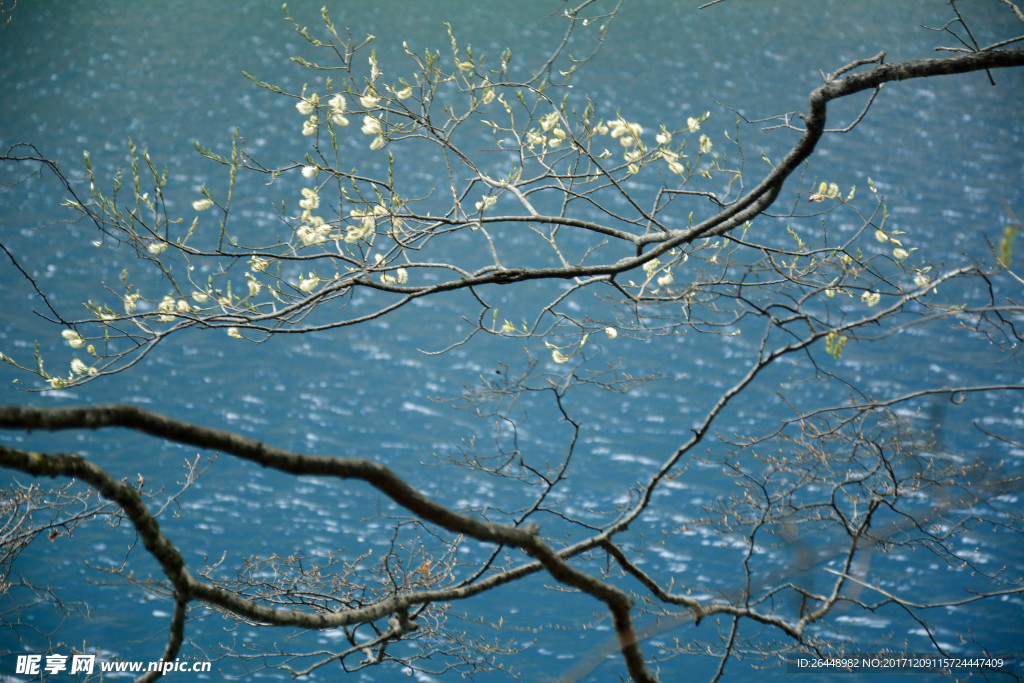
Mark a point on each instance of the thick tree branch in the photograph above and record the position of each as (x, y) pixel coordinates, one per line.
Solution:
(853, 472)
(97, 417)
(764, 193)
(375, 474)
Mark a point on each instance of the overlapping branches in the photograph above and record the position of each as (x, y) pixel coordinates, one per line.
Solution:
(548, 202)
(386, 246)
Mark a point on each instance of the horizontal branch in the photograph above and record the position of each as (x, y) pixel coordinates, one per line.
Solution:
(377, 475)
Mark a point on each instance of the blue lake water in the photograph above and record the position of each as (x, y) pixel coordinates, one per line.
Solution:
(80, 76)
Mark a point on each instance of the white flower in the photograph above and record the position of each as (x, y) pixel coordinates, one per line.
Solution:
(337, 103)
(664, 137)
(558, 356)
(549, 121)
(404, 93)
(314, 231)
(309, 126)
(74, 339)
(307, 285)
(309, 171)
(78, 367)
(371, 125)
(486, 203)
(369, 100)
(705, 144)
(307, 235)
(367, 224)
(400, 277)
(156, 247)
(900, 254)
(202, 204)
(651, 266)
(620, 128)
(533, 138)
(378, 143)
(488, 96)
(254, 284)
(611, 332)
(692, 124)
(831, 191)
(666, 279)
(307, 105)
(871, 298)
(921, 280)
(234, 333)
(310, 199)
(201, 297)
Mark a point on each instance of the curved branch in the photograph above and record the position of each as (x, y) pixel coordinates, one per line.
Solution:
(814, 122)
(132, 417)
(120, 492)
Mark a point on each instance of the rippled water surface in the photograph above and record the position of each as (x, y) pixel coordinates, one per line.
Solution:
(80, 76)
